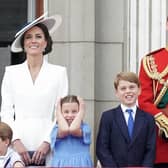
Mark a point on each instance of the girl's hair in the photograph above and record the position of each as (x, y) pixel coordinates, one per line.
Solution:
(46, 35)
(5, 132)
(126, 76)
(69, 99)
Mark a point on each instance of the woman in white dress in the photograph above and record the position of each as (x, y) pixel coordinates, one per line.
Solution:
(30, 90)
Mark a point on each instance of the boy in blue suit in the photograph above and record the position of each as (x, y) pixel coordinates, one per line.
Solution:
(126, 139)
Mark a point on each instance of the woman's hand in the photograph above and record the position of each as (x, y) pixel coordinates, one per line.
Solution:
(40, 154)
(21, 149)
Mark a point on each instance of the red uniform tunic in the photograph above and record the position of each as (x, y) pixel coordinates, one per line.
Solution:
(153, 75)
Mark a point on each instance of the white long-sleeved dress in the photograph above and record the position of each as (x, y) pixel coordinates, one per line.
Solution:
(29, 107)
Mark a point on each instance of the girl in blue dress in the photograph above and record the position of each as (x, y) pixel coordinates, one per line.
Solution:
(71, 137)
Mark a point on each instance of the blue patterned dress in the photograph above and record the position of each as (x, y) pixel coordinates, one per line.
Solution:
(71, 151)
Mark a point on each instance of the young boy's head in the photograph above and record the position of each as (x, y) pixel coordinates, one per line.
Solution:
(127, 86)
(69, 108)
(5, 137)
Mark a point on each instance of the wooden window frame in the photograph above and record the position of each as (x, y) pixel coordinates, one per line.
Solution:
(39, 7)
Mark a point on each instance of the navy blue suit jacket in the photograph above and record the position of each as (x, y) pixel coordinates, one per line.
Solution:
(114, 148)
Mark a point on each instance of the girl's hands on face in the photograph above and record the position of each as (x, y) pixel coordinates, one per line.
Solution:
(58, 109)
(63, 128)
(81, 106)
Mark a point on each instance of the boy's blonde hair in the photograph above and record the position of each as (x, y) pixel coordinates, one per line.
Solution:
(126, 76)
(5, 132)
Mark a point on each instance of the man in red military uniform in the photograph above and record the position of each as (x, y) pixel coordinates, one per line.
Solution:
(153, 76)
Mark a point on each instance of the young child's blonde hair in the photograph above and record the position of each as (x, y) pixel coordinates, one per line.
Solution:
(126, 76)
(69, 99)
(5, 132)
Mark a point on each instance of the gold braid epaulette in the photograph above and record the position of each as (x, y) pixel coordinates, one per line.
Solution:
(151, 70)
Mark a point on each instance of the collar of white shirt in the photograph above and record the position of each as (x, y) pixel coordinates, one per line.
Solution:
(123, 107)
(134, 108)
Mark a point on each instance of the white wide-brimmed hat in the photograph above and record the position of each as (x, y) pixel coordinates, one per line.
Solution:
(52, 23)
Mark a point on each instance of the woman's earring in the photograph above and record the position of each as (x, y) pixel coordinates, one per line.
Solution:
(44, 50)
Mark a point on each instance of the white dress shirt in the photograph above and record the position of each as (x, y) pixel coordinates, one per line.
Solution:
(126, 114)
